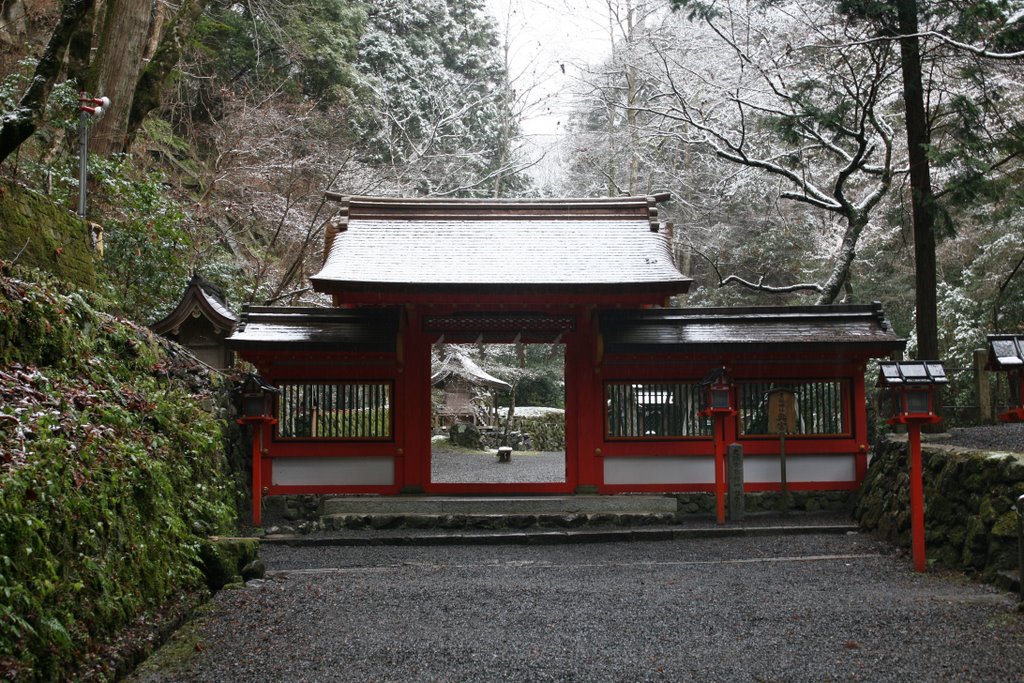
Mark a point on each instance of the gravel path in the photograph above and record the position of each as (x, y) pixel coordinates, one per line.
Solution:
(800, 608)
(1002, 437)
(447, 467)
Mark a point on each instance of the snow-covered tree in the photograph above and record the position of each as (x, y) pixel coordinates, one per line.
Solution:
(436, 115)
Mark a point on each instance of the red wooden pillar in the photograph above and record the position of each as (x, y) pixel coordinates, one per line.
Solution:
(415, 372)
(916, 496)
(720, 401)
(583, 376)
(259, 425)
(859, 416)
(719, 439)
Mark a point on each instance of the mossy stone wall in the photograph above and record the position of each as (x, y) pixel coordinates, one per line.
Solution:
(771, 501)
(112, 475)
(970, 521)
(39, 234)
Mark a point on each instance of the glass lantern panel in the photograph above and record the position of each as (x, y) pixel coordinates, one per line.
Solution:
(914, 371)
(720, 398)
(918, 402)
(254, 405)
(891, 373)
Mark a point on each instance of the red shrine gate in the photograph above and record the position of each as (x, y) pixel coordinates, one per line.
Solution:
(407, 274)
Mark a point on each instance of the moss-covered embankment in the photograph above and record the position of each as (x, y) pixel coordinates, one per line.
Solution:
(970, 521)
(39, 234)
(112, 476)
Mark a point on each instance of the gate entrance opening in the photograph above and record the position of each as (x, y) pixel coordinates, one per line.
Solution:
(498, 414)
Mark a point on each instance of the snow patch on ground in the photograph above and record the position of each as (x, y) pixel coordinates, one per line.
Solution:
(532, 411)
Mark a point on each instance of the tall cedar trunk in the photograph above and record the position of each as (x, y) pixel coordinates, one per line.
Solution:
(116, 70)
(18, 125)
(922, 200)
(150, 87)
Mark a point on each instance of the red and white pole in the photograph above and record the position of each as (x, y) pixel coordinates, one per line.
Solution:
(87, 107)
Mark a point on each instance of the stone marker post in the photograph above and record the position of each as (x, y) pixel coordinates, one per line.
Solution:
(737, 505)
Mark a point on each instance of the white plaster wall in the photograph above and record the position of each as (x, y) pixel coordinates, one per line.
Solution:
(661, 470)
(701, 470)
(371, 471)
(766, 469)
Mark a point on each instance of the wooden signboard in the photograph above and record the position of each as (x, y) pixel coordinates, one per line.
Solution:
(781, 411)
(782, 421)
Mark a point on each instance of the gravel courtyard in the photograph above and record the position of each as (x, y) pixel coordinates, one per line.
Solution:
(794, 608)
(450, 467)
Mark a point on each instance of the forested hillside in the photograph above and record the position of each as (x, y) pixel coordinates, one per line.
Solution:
(228, 121)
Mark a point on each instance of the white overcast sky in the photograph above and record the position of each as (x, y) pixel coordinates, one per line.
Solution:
(550, 40)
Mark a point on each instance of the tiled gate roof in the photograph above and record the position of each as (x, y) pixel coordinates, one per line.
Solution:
(461, 245)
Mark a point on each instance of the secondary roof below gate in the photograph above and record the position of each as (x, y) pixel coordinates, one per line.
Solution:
(386, 250)
(853, 327)
(859, 329)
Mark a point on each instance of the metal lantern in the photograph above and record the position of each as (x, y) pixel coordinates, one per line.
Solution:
(258, 398)
(914, 386)
(718, 392)
(1006, 354)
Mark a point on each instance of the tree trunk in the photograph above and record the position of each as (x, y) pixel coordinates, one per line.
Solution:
(922, 200)
(80, 49)
(837, 279)
(116, 69)
(18, 125)
(13, 22)
(150, 87)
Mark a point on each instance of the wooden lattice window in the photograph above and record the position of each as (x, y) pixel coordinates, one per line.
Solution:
(820, 407)
(651, 410)
(340, 410)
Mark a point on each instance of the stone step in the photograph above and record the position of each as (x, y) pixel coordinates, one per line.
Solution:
(341, 521)
(498, 505)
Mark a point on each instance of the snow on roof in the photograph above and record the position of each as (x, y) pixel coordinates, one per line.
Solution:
(860, 326)
(565, 242)
(203, 296)
(458, 364)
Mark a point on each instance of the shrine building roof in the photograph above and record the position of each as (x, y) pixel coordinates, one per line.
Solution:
(201, 298)
(1005, 352)
(316, 329)
(780, 328)
(388, 246)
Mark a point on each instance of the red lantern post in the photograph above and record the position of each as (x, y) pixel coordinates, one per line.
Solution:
(258, 411)
(914, 385)
(718, 405)
(1006, 354)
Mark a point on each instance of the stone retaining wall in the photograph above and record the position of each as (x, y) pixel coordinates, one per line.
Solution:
(771, 501)
(40, 234)
(970, 522)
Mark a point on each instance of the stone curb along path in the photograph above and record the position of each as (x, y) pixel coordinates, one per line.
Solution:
(552, 537)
